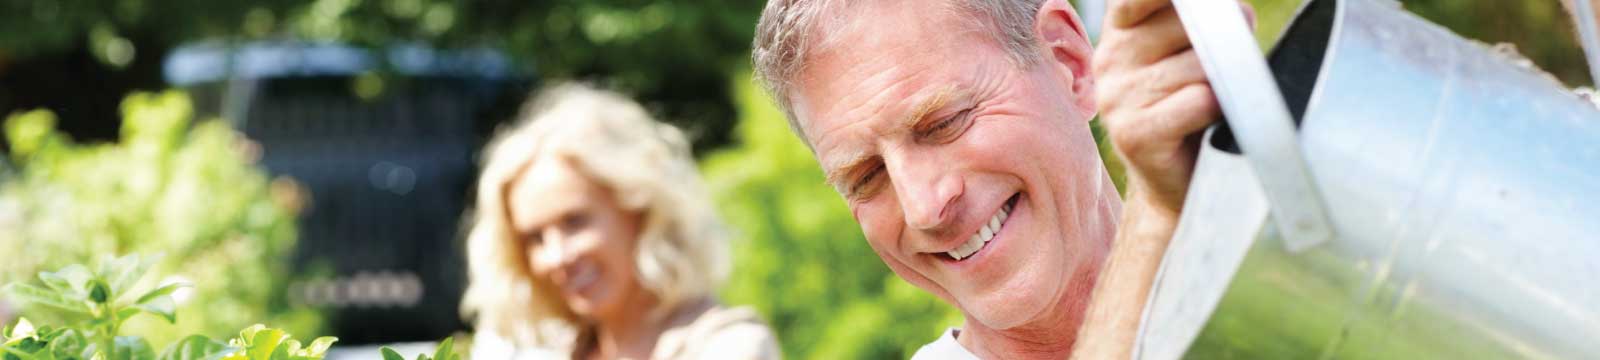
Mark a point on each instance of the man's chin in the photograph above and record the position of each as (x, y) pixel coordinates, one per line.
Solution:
(1013, 305)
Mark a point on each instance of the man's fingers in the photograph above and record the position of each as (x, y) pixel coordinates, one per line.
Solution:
(1249, 14)
(1187, 111)
(1174, 72)
(1157, 37)
(1151, 83)
(1127, 13)
(1165, 123)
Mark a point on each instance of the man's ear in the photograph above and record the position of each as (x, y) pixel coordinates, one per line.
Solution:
(1062, 36)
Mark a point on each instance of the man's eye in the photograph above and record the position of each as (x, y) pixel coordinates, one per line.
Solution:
(866, 185)
(947, 129)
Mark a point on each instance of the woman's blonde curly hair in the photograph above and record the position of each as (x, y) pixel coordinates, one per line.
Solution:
(682, 249)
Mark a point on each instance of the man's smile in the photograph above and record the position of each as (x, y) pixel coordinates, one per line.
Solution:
(981, 238)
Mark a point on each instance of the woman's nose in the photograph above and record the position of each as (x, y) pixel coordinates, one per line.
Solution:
(552, 253)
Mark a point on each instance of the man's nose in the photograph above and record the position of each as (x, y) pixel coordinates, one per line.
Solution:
(927, 190)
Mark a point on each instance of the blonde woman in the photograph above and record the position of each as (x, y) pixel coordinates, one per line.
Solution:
(594, 239)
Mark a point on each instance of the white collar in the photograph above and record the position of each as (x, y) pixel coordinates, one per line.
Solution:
(945, 348)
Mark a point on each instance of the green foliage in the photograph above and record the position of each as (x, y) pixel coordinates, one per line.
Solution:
(673, 55)
(186, 190)
(98, 302)
(258, 342)
(102, 297)
(444, 351)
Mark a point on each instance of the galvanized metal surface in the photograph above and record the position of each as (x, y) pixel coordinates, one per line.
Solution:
(1224, 212)
(1589, 35)
(1465, 192)
(1245, 89)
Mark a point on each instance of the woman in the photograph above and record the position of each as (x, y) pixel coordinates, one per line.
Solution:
(595, 240)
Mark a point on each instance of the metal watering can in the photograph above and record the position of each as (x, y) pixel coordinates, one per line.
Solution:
(1381, 188)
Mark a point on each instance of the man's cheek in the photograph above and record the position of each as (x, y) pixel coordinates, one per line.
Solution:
(912, 276)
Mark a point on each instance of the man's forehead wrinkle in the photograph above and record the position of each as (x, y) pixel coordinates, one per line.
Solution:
(877, 58)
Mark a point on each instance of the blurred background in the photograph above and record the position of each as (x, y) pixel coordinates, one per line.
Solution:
(307, 163)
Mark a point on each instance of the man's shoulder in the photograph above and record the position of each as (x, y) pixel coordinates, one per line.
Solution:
(945, 348)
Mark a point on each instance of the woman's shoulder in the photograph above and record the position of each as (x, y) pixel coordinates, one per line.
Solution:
(719, 332)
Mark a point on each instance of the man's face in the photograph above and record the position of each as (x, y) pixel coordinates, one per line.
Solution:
(941, 145)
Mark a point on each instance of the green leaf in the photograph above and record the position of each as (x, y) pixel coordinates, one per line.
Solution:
(19, 330)
(72, 279)
(121, 273)
(66, 341)
(282, 351)
(161, 306)
(28, 132)
(55, 281)
(319, 347)
(249, 333)
(99, 292)
(196, 347)
(14, 353)
(445, 350)
(289, 349)
(263, 343)
(128, 312)
(390, 354)
(37, 295)
(131, 348)
(164, 290)
(160, 291)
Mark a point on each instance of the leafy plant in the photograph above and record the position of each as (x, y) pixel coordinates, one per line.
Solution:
(258, 342)
(445, 351)
(101, 301)
(170, 185)
(98, 302)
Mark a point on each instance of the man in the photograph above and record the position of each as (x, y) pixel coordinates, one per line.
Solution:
(958, 133)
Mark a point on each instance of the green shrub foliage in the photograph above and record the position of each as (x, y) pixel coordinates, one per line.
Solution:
(186, 189)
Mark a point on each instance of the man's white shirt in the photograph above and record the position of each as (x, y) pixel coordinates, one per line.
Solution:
(945, 348)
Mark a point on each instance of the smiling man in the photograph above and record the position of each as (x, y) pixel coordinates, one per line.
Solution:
(958, 133)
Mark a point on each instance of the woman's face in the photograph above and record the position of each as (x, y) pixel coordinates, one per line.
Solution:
(576, 237)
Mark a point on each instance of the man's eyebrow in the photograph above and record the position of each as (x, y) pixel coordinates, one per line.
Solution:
(836, 171)
(928, 105)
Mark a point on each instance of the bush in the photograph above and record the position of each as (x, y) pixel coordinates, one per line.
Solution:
(189, 191)
(95, 304)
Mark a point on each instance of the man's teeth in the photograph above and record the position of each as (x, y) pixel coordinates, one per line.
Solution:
(983, 236)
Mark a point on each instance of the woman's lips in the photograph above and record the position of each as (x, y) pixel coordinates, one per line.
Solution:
(583, 276)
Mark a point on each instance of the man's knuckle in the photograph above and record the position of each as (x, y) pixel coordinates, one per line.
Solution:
(1126, 140)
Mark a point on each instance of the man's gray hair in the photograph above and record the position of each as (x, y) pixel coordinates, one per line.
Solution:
(786, 34)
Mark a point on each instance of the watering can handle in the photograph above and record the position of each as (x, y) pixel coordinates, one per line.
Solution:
(1258, 116)
(1589, 35)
